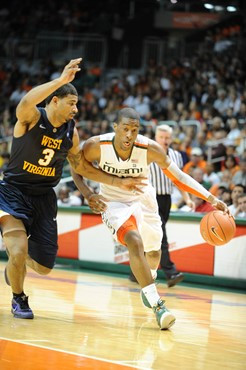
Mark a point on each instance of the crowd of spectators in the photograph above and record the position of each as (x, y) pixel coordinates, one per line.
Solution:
(203, 97)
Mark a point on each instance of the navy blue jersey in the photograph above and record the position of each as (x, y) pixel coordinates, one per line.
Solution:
(37, 157)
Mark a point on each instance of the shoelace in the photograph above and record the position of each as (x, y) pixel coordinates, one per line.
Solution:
(23, 302)
(160, 305)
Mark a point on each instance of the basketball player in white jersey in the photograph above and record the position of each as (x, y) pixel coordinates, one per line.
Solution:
(133, 218)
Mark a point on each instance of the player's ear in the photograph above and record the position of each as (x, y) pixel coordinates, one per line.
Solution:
(115, 126)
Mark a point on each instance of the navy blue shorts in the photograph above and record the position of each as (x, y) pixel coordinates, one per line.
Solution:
(38, 213)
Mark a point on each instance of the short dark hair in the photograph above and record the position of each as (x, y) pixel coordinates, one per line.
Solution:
(127, 113)
(62, 92)
(240, 186)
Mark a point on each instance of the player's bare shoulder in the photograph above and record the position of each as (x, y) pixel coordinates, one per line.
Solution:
(156, 153)
(26, 122)
(91, 148)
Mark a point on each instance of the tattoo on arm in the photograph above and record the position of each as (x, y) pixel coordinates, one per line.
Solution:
(74, 159)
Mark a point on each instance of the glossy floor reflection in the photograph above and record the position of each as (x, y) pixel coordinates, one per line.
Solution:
(93, 321)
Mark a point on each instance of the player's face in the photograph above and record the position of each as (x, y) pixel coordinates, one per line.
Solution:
(126, 132)
(164, 139)
(67, 107)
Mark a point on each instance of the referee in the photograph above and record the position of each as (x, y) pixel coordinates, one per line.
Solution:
(164, 187)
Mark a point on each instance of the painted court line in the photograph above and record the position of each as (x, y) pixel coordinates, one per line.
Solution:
(90, 361)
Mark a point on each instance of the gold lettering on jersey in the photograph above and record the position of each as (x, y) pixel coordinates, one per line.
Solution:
(122, 171)
(51, 143)
(36, 170)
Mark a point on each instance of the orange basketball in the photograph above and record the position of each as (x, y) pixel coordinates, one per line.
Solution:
(217, 228)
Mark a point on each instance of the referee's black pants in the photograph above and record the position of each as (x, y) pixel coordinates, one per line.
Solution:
(164, 204)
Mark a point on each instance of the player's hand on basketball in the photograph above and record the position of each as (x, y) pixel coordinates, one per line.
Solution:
(218, 204)
(97, 203)
(132, 184)
(70, 70)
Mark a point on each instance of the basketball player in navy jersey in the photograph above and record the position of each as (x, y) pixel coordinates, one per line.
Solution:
(133, 218)
(43, 139)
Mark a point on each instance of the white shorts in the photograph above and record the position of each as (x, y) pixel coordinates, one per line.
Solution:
(145, 211)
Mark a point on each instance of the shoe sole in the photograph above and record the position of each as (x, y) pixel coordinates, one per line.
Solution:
(176, 281)
(167, 320)
(17, 316)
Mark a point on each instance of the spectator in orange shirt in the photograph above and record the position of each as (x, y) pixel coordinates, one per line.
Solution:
(195, 161)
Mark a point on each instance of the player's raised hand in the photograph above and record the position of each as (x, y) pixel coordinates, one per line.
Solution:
(133, 184)
(70, 70)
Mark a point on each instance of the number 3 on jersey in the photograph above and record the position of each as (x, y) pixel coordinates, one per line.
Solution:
(48, 155)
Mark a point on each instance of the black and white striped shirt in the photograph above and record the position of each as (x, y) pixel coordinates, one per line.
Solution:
(161, 182)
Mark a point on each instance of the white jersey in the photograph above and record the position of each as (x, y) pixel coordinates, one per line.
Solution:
(135, 166)
(122, 203)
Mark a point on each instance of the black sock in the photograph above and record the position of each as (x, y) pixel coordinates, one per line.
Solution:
(18, 295)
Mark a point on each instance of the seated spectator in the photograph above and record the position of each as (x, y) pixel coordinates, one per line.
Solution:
(234, 133)
(195, 161)
(225, 182)
(240, 176)
(236, 192)
(218, 150)
(198, 175)
(201, 205)
(226, 196)
(210, 175)
(230, 164)
(67, 199)
(241, 208)
(176, 146)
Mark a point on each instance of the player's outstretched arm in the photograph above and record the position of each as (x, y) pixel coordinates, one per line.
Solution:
(83, 166)
(180, 178)
(26, 110)
(96, 201)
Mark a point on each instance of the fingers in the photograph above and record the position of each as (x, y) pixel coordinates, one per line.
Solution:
(136, 190)
(74, 62)
(140, 181)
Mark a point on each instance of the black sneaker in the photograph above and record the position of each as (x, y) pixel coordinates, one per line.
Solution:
(20, 308)
(175, 279)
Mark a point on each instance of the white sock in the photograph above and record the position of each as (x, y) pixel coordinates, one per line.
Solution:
(153, 273)
(151, 294)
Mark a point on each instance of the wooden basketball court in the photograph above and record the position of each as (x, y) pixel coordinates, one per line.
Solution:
(85, 320)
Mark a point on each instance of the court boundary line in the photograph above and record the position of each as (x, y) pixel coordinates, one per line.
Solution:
(74, 353)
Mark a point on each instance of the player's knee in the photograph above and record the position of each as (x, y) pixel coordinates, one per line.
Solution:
(18, 255)
(134, 243)
(42, 270)
(17, 250)
(154, 254)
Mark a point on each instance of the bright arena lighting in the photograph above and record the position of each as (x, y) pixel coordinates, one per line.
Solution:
(231, 9)
(208, 6)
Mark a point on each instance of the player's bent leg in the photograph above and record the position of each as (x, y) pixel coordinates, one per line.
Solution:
(138, 262)
(15, 270)
(153, 259)
(15, 240)
(128, 235)
(40, 269)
